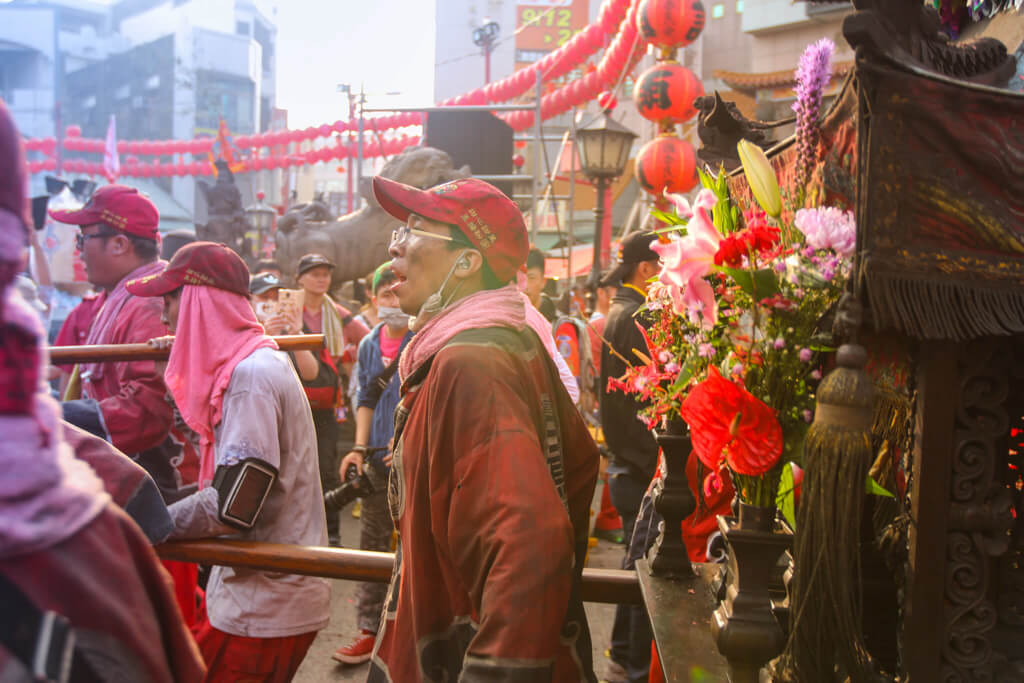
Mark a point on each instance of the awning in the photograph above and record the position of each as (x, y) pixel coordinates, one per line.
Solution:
(556, 265)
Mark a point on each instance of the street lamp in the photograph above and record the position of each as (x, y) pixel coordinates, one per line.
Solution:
(260, 218)
(484, 37)
(604, 145)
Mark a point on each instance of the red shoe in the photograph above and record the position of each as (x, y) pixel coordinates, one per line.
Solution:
(358, 651)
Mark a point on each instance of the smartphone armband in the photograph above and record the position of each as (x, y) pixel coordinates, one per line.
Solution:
(242, 489)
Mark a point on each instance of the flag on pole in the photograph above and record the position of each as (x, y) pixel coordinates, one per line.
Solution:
(111, 161)
(224, 148)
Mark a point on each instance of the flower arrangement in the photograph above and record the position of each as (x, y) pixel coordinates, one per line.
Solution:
(740, 332)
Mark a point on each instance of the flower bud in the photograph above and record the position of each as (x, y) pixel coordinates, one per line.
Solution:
(761, 177)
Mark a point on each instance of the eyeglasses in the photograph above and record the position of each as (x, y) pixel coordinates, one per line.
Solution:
(401, 234)
(82, 238)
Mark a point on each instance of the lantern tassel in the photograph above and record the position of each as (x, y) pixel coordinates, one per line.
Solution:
(825, 642)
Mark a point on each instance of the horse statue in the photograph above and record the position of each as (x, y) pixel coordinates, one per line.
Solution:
(358, 242)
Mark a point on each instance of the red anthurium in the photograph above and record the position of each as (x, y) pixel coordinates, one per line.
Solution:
(728, 423)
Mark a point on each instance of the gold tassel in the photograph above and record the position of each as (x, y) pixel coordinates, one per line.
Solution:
(825, 641)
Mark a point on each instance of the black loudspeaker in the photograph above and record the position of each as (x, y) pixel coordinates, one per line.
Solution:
(476, 138)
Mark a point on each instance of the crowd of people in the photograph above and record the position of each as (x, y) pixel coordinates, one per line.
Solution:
(467, 402)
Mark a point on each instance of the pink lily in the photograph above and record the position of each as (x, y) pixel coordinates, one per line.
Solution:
(686, 261)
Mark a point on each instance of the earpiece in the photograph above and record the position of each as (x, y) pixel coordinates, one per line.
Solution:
(463, 263)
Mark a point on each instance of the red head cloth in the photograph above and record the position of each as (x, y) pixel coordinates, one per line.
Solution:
(217, 329)
(490, 220)
(119, 206)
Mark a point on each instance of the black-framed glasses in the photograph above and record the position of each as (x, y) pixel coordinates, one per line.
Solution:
(82, 238)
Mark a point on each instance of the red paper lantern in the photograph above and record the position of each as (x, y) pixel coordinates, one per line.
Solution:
(665, 93)
(606, 100)
(666, 163)
(73, 131)
(670, 24)
(518, 160)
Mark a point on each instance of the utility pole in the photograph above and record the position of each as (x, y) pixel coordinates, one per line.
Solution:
(359, 142)
(349, 198)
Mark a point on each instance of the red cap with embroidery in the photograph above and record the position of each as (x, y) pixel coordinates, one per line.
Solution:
(119, 206)
(489, 220)
(201, 263)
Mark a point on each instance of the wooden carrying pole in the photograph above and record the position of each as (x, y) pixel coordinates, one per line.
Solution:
(104, 353)
(599, 585)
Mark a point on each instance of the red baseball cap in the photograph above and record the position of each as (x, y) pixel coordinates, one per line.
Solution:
(200, 263)
(119, 206)
(489, 220)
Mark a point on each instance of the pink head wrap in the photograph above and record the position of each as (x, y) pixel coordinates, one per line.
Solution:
(216, 330)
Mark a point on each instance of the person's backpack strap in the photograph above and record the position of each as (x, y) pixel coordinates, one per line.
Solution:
(380, 382)
(43, 641)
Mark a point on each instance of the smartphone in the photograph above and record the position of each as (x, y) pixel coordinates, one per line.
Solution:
(289, 302)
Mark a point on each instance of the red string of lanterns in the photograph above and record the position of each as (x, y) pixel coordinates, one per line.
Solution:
(554, 65)
(631, 24)
(665, 94)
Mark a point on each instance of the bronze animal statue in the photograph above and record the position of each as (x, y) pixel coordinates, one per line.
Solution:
(358, 242)
(226, 223)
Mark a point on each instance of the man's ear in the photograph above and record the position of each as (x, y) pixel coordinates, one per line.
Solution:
(468, 264)
(119, 244)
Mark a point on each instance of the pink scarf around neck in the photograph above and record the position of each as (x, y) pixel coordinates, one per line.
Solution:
(216, 330)
(103, 324)
(490, 308)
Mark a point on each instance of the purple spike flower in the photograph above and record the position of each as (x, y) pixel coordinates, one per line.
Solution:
(812, 77)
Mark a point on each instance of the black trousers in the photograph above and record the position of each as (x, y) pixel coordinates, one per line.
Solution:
(326, 424)
(631, 631)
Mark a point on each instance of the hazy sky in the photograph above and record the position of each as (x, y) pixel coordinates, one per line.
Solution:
(386, 44)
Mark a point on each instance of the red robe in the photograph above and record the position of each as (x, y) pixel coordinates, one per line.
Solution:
(490, 558)
(107, 580)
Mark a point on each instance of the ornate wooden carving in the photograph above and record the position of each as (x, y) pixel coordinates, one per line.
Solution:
(720, 125)
(981, 513)
(907, 32)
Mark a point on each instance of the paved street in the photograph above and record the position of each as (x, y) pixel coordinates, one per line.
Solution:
(318, 665)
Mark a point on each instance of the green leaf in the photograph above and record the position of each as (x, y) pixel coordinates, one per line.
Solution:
(759, 284)
(705, 179)
(873, 488)
(669, 218)
(685, 373)
(785, 497)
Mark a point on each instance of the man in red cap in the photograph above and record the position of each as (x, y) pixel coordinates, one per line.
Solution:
(493, 468)
(258, 477)
(122, 402)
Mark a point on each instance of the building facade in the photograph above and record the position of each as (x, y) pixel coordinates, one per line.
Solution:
(166, 69)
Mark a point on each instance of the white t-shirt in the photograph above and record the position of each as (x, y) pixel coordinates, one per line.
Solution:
(266, 416)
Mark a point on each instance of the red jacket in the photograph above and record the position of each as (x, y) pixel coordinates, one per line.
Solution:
(490, 557)
(131, 395)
